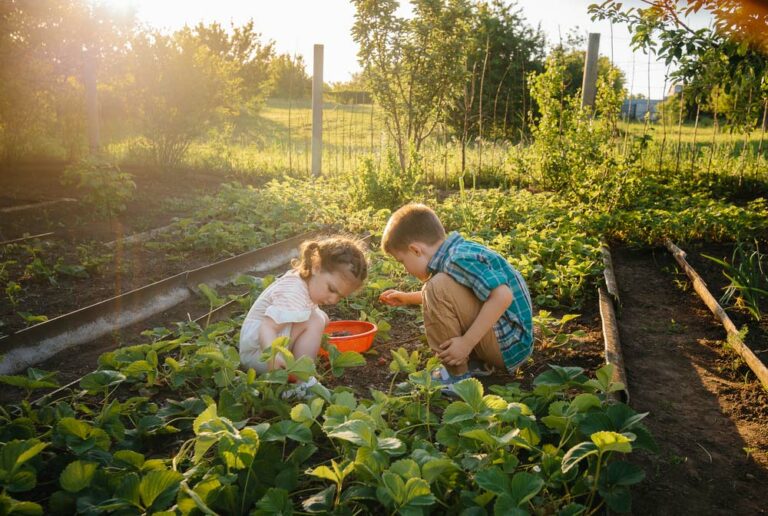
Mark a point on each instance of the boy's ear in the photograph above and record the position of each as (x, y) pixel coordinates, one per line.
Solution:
(414, 248)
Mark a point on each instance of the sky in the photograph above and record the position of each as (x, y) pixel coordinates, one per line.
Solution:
(296, 25)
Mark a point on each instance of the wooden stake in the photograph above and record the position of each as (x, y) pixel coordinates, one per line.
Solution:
(695, 131)
(589, 79)
(317, 111)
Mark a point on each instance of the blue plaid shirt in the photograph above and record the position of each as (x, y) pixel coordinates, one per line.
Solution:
(482, 270)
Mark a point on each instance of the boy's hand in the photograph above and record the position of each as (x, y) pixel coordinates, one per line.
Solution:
(455, 351)
(392, 297)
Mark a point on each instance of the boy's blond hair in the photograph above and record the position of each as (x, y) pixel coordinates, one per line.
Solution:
(412, 223)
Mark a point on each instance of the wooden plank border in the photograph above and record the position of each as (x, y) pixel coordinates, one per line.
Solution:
(733, 337)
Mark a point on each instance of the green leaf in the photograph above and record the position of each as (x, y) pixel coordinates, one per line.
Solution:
(623, 474)
(210, 294)
(524, 486)
(321, 502)
(208, 414)
(77, 475)
(349, 359)
(324, 472)
(100, 380)
(285, 429)
(17, 508)
(301, 413)
(395, 485)
(559, 376)
(406, 468)
(584, 402)
(303, 368)
(355, 431)
(157, 485)
(137, 368)
(24, 479)
(33, 318)
(418, 493)
(611, 441)
(618, 498)
(493, 480)
(576, 454)
(572, 509)
(458, 411)
(506, 506)
(129, 488)
(432, 470)
(275, 501)
(471, 391)
(390, 445)
(15, 453)
(482, 435)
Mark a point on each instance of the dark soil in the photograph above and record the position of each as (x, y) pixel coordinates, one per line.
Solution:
(160, 197)
(709, 422)
(586, 352)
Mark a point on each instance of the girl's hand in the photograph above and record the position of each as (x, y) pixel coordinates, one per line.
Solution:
(393, 298)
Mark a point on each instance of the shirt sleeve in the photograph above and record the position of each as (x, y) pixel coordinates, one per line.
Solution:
(474, 271)
(290, 302)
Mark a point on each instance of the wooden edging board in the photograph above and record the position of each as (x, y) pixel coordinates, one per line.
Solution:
(734, 339)
(42, 341)
(610, 327)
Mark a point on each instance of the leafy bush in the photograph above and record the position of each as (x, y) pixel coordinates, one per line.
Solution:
(387, 186)
(103, 185)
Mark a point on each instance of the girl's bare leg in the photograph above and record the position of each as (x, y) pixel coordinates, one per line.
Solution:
(306, 336)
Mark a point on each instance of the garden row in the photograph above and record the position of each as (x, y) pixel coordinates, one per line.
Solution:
(173, 424)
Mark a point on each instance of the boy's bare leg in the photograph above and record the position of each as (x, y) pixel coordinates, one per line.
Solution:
(449, 311)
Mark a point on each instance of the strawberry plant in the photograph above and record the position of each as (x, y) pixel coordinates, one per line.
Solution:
(103, 185)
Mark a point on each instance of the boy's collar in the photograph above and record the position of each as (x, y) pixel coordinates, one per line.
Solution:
(442, 252)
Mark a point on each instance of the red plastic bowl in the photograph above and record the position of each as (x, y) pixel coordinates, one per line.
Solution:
(360, 339)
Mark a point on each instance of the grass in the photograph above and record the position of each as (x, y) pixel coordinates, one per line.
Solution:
(703, 134)
(279, 142)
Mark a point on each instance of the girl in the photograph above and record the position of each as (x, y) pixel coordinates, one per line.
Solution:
(328, 271)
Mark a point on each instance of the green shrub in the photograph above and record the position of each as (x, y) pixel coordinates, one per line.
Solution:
(387, 186)
(103, 185)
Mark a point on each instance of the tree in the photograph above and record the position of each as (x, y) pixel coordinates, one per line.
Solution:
(289, 77)
(414, 66)
(41, 62)
(502, 50)
(182, 90)
(727, 62)
(241, 46)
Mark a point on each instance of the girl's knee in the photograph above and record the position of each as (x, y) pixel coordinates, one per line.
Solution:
(315, 324)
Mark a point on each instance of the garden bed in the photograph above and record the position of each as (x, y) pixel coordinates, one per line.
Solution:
(73, 268)
(712, 273)
(708, 416)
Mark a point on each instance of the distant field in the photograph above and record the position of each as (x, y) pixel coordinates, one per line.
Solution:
(703, 134)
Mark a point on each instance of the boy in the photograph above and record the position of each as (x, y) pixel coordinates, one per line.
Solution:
(475, 304)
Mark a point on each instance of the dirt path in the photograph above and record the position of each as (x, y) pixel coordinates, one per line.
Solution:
(711, 426)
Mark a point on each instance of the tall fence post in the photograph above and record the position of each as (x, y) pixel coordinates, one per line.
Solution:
(317, 111)
(91, 101)
(589, 81)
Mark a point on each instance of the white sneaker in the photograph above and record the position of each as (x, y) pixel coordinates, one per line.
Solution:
(300, 390)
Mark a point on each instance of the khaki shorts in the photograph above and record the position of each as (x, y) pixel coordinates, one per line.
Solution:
(449, 310)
